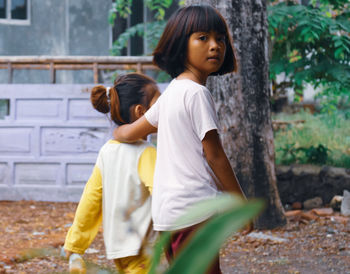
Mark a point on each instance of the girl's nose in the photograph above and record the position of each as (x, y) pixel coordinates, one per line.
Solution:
(214, 44)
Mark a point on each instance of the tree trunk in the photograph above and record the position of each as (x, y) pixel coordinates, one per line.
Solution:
(243, 107)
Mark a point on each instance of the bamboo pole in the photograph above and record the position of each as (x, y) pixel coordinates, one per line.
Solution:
(94, 63)
(77, 59)
(79, 66)
(95, 70)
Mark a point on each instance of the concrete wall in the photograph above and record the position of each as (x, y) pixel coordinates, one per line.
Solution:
(49, 141)
(58, 27)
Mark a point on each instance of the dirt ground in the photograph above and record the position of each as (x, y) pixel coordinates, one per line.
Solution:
(32, 233)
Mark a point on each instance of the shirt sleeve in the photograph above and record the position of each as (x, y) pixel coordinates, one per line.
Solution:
(202, 113)
(152, 115)
(88, 216)
(146, 167)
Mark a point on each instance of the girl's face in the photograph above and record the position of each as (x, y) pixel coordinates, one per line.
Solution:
(205, 53)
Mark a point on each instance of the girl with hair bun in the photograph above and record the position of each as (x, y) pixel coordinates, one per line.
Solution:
(118, 191)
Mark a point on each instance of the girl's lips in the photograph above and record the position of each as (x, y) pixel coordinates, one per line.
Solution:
(214, 59)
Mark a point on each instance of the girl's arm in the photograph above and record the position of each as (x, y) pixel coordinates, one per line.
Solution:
(221, 166)
(132, 132)
(219, 163)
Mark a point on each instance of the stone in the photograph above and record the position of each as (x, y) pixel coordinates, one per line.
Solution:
(313, 203)
(293, 213)
(306, 169)
(345, 204)
(297, 205)
(263, 236)
(298, 182)
(323, 211)
(91, 251)
(337, 172)
(336, 202)
(308, 215)
(287, 207)
(331, 230)
(340, 219)
(37, 233)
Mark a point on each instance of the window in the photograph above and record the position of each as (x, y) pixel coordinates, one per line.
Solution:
(14, 11)
(4, 108)
(139, 14)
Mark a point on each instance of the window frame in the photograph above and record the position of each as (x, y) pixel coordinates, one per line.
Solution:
(9, 21)
(147, 16)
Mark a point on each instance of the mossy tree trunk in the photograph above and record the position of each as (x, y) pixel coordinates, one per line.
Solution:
(243, 107)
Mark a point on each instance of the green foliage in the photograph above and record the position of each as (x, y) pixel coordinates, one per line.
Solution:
(316, 155)
(154, 31)
(151, 31)
(230, 213)
(311, 44)
(332, 99)
(159, 6)
(321, 139)
(121, 7)
(305, 155)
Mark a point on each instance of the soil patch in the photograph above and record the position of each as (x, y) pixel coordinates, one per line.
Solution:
(33, 232)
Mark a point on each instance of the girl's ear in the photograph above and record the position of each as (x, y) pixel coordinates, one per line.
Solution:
(139, 110)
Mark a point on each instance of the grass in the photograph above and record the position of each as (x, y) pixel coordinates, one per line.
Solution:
(332, 131)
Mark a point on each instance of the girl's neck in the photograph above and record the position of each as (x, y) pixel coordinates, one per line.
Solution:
(189, 74)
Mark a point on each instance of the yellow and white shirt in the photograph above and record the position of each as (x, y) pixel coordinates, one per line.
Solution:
(118, 192)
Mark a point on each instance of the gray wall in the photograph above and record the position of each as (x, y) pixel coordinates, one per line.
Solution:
(49, 141)
(58, 27)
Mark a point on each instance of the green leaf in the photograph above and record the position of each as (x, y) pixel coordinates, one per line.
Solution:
(207, 208)
(322, 41)
(161, 243)
(338, 53)
(161, 13)
(206, 242)
(111, 18)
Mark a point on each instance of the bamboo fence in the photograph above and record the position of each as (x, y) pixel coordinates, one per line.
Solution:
(94, 63)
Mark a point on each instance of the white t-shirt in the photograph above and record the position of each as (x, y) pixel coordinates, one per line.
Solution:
(183, 114)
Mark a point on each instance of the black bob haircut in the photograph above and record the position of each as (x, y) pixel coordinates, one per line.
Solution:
(170, 53)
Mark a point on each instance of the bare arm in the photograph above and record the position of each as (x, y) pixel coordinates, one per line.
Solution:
(219, 163)
(132, 132)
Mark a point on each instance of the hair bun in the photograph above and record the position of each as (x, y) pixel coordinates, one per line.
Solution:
(99, 99)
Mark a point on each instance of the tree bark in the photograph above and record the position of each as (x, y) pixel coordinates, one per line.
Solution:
(243, 106)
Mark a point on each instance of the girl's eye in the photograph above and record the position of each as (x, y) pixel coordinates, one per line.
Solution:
(202, 37)
(221, 38)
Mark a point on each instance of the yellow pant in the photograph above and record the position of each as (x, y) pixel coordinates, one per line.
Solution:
(139, 264)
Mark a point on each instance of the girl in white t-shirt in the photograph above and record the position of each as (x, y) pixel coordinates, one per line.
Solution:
(118, 190)
(191, 163)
